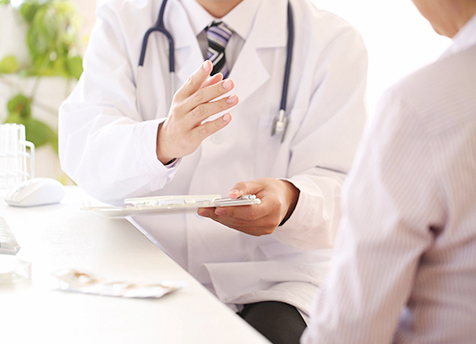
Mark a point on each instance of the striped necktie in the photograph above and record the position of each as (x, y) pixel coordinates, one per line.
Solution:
(218, 35)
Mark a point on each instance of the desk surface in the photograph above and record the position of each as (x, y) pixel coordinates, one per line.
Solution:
(62, 237)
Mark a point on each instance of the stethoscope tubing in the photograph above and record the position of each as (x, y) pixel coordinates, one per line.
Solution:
(160, 27)
(289, 58)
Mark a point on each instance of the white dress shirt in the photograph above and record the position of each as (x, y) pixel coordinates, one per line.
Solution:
(405, 268)
(238, 20)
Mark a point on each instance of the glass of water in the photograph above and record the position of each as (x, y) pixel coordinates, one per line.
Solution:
(17, 164)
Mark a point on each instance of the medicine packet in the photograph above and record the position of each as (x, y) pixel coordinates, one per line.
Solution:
(83, 282)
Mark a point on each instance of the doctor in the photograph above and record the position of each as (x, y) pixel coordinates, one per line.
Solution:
(266, 261)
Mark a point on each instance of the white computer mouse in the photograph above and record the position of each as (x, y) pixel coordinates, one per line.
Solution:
(35, 192)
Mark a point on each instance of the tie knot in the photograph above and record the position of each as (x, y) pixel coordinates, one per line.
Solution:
(218, 35)
(219, 32)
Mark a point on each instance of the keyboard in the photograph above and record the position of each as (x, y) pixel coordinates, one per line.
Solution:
(8, 243)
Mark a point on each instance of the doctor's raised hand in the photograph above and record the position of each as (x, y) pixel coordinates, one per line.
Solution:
(183, 131)
(278, 200)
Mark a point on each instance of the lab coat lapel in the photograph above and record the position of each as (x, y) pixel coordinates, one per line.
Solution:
(248, 73)
(188, 56)
(269, 31)
(187, 61)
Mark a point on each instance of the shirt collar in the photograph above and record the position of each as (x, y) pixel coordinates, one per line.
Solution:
(238, 19)
(465, 38)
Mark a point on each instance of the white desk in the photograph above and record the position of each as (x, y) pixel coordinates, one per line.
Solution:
(62, 236)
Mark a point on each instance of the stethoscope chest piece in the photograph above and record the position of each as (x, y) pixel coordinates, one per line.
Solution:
(280, 124)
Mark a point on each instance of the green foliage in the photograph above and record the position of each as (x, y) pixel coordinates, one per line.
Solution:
(28, 10)
(74, 66)
(40, 133)
(20, 106)
(52, 37)
(19, 111)
(53, 45)
(9, 65)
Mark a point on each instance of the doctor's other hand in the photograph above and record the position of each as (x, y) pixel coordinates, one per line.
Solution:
(183, 131)
(278, 200)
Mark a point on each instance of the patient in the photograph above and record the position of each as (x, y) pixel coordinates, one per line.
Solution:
(405, 266)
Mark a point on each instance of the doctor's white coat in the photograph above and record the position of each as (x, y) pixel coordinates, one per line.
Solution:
(110, 152)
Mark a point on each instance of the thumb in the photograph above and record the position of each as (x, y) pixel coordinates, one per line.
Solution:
(239, 190)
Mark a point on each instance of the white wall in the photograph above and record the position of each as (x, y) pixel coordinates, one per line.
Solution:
(399, 40)
(87, 8)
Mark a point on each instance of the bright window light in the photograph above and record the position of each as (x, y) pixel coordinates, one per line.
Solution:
(399, 40)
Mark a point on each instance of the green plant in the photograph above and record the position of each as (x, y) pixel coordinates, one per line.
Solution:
(53, 46)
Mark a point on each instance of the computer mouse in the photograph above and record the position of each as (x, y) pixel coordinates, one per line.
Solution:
(35, 192)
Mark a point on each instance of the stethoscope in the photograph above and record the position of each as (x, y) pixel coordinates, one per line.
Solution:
(280, 123)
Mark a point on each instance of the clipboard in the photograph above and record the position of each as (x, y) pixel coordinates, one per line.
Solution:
(169, 204)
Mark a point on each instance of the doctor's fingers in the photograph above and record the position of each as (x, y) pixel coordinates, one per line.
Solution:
(262, 226)
(204, 130)
(246, 188)
(213, 80)
(245, 214)
(206, 95)
(204, 111)
(270, 212)
(194, 82)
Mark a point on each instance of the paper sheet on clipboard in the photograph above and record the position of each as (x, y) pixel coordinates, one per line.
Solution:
(170, 204)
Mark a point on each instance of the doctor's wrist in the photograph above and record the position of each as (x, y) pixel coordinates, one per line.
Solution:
(163, 158)
(292, 196)
(170, 163)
